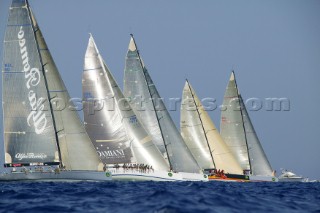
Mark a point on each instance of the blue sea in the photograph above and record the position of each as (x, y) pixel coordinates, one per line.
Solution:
(158, 197)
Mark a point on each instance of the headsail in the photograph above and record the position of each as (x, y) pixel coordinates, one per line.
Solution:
(258, 159)
(202, 137)
(36, 129)
(238, 132)
(139, 86)
(113, 127)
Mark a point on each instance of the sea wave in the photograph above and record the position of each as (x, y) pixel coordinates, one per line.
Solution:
(159, 197)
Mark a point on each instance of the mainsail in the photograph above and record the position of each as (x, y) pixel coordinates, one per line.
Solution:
(237, 131)
(202, 137)
(38, 125)
(140, 89)
(110, 122)
(231, 126)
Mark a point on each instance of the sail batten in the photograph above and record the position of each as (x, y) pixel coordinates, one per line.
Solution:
(155, 117)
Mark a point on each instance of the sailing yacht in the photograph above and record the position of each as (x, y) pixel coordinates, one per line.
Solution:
(204, 140)
(120, 140)
(150, 109)
(42, 141)
(237, 131)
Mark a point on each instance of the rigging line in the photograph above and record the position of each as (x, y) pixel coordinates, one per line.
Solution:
(143, 71)
(201, 124)
(45, 80)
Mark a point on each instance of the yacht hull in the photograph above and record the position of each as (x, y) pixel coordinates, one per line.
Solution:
(57, 176)
(229, 178)
(194, 176)
(299, 179)
(243, 178)
(121, 174)
(261, 178)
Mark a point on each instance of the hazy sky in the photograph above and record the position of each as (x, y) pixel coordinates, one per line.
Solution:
(273, 46)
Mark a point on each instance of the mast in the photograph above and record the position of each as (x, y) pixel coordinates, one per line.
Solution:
(46, 82)
(244, 129)
(201, 124)
(165, 145)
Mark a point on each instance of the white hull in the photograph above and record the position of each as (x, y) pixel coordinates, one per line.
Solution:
(193, 176)
(121, 174)
(298, 179)
(52, 176)
(228, 180)
(261, 178)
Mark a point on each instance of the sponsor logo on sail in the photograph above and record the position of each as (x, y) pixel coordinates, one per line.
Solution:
(21, 156)
(37, 117)
(117, 153)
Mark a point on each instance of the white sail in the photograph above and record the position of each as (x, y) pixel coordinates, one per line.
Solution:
(238, 132)
(116, 132)
(202, 137)
(32, 85)
(154, 115)
(231, 126)
(29, 133)
(258, 159)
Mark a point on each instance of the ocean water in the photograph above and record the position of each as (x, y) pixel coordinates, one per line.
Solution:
(158, 197)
